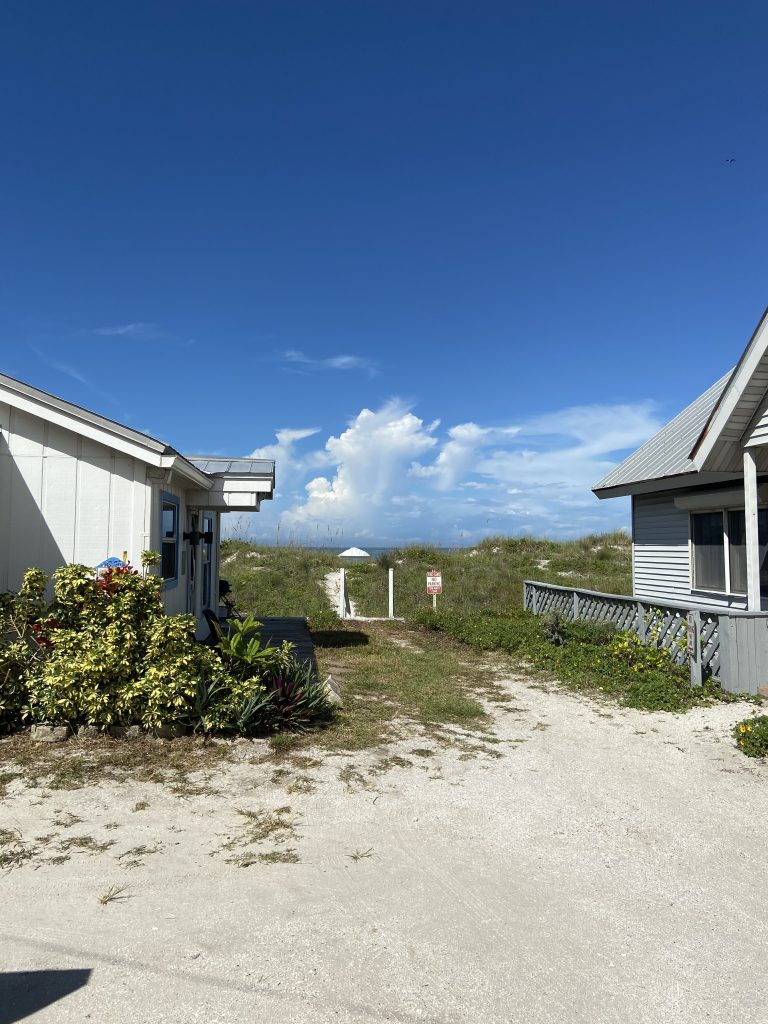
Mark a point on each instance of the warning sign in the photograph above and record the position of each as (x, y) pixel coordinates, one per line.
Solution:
(434, 582)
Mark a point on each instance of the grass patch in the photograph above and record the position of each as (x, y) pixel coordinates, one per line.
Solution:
(385, 684)
(6, 777)
(260, 826)
(80, 763)
(86, 843)
(247, 860)
(14, 851)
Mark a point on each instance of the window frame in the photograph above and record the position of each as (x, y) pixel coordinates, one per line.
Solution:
(169, 582)
(206, 560)
(724, 517)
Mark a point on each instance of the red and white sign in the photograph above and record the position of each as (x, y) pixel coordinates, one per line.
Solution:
(434, 583)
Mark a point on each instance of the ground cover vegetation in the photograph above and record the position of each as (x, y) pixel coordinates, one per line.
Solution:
(481, 606)
(751, 736)
(103, 653)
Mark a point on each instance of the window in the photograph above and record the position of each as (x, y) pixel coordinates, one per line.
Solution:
(169, 539)
(737, 552)
(708, 551)
(719, 542)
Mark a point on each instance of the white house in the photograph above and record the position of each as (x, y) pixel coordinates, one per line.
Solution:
(78, 487)
(699, 493)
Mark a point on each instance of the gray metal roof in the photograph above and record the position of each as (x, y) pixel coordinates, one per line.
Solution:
(86, 415)
(667, 453)
(217, 465)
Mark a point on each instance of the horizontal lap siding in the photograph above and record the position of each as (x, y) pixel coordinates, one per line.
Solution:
(660, 564)
(660, 555)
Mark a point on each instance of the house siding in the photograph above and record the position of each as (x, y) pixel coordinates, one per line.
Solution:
(661, 566)
(64, 498)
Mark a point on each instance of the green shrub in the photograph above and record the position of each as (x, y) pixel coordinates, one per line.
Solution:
(245, 654)
(24, 643)
(99, 650)
(180, 680)
(106, 653)
(751, 736)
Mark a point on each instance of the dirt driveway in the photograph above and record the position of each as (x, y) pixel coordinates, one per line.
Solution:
(593, 865)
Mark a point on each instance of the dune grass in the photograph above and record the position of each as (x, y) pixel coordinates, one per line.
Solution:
(489, 577)
(279, 581)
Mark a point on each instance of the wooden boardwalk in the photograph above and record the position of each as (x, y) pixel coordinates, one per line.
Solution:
(275, 630)
(295, 630)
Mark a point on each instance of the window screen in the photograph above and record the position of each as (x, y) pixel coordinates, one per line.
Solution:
(708, 551)
(737, 552)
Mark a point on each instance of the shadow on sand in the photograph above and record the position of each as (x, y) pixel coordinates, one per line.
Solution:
(23, 993)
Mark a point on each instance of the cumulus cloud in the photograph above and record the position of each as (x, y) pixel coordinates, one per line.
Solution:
(291, 459)
(371, 457)
(394, 478)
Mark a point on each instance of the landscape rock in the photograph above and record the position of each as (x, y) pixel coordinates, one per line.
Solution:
(333, 691)
(125, 732)
(44, 732)
(89, 732)
(171, 731)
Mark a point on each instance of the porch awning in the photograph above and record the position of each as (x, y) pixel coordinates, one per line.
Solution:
(237, 485)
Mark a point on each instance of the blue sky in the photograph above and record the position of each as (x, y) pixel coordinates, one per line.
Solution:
(446, 261)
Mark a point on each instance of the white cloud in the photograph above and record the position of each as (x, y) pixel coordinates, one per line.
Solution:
(290, 463)
(371, 457)
(340, 362)
(394, 478)
(60, 367)
(134, 330)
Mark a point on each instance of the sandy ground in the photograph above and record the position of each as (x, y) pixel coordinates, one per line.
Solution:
(332, 587)
(609, 866)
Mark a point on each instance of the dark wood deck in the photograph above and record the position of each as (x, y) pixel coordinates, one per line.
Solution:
(276, 630)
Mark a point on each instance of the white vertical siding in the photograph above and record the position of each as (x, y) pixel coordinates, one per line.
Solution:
(660, 555)
(64, 498)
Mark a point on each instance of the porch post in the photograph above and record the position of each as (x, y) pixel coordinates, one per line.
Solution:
(753, 546)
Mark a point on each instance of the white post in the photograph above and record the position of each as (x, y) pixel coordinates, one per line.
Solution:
(391, 593)
(342, 593)
(753, 545)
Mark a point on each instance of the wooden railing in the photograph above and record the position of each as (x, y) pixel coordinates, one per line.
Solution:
(732, 645)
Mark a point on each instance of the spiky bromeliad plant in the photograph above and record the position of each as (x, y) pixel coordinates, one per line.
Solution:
(298, 699)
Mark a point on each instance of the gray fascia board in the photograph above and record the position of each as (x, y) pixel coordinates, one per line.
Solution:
(662, 484)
